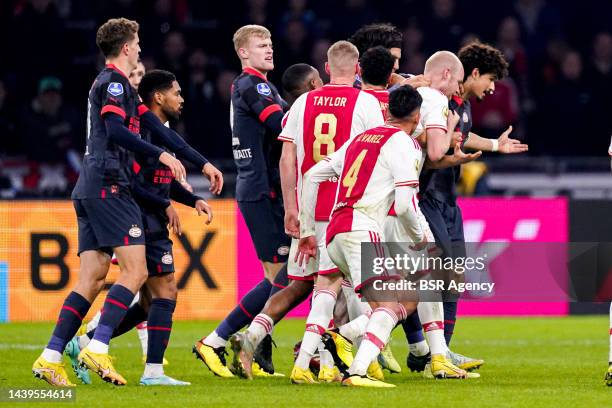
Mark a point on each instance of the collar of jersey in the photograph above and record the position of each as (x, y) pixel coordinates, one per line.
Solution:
(253, 71)
(337, 85)
(114, 67)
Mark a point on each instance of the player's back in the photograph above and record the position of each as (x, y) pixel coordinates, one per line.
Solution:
(106, 170)
(375, 163)
(382, 95)
(320, 123)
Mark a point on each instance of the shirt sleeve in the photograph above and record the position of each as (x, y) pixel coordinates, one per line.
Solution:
(403, 156)
(434, 110)
(369, 111)
(114, 98)
(258, 96)
(293, 128)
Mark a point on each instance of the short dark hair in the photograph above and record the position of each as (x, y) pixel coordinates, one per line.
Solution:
(113, 34)
(488, 60)
(156, 80)
(377, 66)
(371, 35)
(404, 101)
(294, 78)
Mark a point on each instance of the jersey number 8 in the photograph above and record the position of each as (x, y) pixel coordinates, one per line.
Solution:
(324, 138)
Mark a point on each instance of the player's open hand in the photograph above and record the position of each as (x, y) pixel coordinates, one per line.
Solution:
(292, 223)
(202, 207)
(174, 223)
(214, 176)
(177, 168)
(510, 146)
(307, 248)
(416, 81)
(463, 157)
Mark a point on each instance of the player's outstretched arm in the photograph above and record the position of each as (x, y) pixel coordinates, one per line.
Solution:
(504, 144)
(458, 157)
(288, 185)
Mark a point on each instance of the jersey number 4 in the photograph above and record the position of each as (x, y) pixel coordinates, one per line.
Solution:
(324, 132)
(350, 179)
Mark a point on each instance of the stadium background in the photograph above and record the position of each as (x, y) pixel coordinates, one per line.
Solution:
(556, 98)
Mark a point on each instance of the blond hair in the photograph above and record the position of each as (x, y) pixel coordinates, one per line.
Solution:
(342, 57)
(442, 60)
(244, 33)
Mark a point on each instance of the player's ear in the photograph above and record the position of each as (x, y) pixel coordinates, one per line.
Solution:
(158, 97)
(475, 73)
(327, 68)
(357, 69)
(243, 53)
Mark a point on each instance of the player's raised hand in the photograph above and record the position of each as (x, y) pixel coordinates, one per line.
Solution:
(174, 223)
(214, 176)
(177, 168)
(416, 81)
(307, 248)
(463, 157)
(510, 146)
(292, 224)
(202, 207)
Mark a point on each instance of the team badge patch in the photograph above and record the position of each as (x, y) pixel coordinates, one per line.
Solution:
(445, 111)
(284, 250)
(264, 89)
(167, 259)
(135, 232)
(115, 88)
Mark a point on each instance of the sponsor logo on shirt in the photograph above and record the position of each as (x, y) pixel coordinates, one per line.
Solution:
(264, 89)
(115, 88)
(242, 154)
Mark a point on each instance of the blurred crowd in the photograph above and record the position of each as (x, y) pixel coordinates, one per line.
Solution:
(556, 97)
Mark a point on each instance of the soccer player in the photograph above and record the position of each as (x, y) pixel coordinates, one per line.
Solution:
(483, 65)
(153, 189)
(297, 80)
(319, 122)
(136, 75)
(256, 115)
(109, 220)
(376, 69)
(375, 168)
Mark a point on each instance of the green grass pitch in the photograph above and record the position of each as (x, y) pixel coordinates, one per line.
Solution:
(530, 362)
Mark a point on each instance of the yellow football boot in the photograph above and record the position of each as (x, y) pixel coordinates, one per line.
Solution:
(301, 376)
(53, 373)
(375, 371)
(441, 367)
(213, 358)
(329, 374)
(101, 364)
(365, 381)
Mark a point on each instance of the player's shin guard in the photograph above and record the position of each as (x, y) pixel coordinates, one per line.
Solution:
(70, 317)
(379, 328)
(133, 317)
(414, 334)
(248, 307)
(450, 316)
(321, 312)
(355, 328)
(354, 304)
(431, 314)
(159, 327)
(115, 307)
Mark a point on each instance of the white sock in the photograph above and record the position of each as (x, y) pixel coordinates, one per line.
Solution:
(143, 336)
(94, 322)
(325, 357)
(610, 356)
(96, 346)
(214, 340)
(259, 328)
(321, 312)
(355, 328)
(52, 356)
(153, 370)
(379, 328)
(431, 315)
(83, 341)
(419, 349)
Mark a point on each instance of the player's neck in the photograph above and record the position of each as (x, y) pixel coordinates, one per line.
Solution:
(341, 80)
(467, 93)
(157, 111)
(121, 64)
(261, 72)
(365, 86)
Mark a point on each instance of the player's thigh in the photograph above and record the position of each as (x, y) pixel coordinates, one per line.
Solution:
(265, 220)
(433, 212)
(159, 255)
(454, 224)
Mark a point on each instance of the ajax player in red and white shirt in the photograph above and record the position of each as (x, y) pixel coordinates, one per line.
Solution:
(376, 69)
(376, 168)
(319, 123)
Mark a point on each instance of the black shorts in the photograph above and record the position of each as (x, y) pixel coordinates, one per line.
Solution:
(266, 222)
(158, 244)
(107, 223)
(446, 224)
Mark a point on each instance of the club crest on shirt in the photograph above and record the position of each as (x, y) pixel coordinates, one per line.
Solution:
(445, 111)
(264, 89)
(284, 250)
(135, 232)
(167, 259)
(115, 88)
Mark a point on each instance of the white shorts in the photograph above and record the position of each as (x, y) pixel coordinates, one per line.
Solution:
(345, 251)
(321, 264)
(396, 232)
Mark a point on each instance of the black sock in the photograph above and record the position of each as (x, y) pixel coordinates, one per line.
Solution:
(159, 327)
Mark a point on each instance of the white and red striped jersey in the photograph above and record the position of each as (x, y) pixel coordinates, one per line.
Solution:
(319, 123)
(434, 110)
(383, 99)
(371, 167)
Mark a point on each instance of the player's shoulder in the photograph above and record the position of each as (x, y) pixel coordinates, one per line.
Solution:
(112, 82)
(367, 97)
(431, 94)
(249, 80)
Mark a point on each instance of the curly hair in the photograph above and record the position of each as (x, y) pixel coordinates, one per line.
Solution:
(377, 66)
(113, 34)
(371, 35)
(488, 60)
